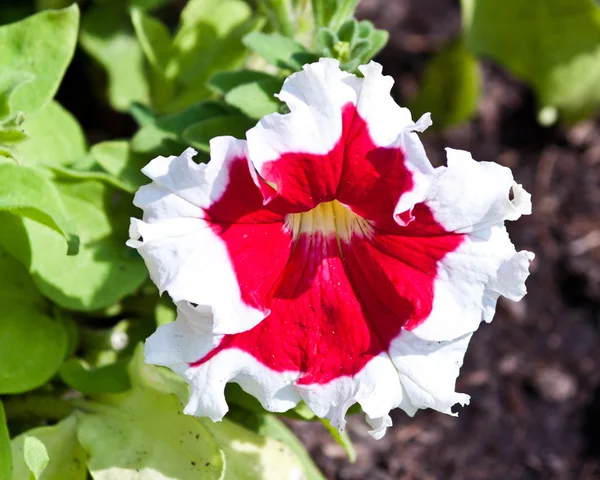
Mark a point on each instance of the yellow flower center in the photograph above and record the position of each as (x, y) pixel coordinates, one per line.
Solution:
(328, 218)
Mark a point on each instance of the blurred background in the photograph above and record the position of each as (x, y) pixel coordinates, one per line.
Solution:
(534, 373)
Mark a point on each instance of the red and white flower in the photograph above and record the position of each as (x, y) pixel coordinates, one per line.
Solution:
(324, 259)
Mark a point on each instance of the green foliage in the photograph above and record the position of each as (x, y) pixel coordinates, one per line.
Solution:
(199, 134)
(37, 51)
(279, 51)
(353, 44)
(119, 439)
(49, 453)
(33, 342)
(118, 160)
(5, 457)
(450, 87)
(111, 378)
(554, 45)
(107, 37)
(332, 13)
(56, 139)
(207, 40)
(104, 271)
(29, 193)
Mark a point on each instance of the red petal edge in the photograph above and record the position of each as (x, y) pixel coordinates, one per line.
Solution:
(334, 305)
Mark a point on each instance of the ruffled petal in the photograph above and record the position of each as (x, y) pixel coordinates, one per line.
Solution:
(194, 217)
(474, 198)
(299, 154)
(336, 266)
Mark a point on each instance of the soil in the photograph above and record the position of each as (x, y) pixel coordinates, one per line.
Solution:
(533, 374)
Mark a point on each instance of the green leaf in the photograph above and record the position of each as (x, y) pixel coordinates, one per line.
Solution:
(5, 457)
(256, 99)
(94, 173)
(155, 40)
(33, 344)
(104, 271)
(252, 456)
(223, 82)
(348, 31)
(106, 35)
(42, 46)
(450, 87)
(326, 40)
(36, 456)
(165, 136)
(342, 438)
(142, 434)
(554, 45)
(278, 50)
(332, 13)
(110, 378)
(51, 453)
(377, 40)
(11, 135)
(117, 159)
(55, 137)
(268, 426)
(208, 40)
(10, 81)
(142, 114)
(26, 192)
(199, 134)
(154, 37)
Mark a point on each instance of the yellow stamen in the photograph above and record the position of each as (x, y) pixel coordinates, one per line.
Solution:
(328, 218)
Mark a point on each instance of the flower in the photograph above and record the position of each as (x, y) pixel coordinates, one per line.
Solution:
(324, 259)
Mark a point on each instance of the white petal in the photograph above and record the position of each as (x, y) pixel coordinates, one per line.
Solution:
(183, 254)
(315, 97)
(428, 370)
(467, 195)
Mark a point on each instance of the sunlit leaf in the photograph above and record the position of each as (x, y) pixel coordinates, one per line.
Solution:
(268, 426)
(107, 36)
(142, 434)
(33, 344)
(41, 46)
(10, 81)
(208, 40)
(55, 137)
(55, 448)
(104, 271)
(278, 50)
(155, 40)
(117, 159)
(255, 99)
(26, 192)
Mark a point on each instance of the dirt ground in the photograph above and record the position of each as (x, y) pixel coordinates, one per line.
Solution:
(534, 373)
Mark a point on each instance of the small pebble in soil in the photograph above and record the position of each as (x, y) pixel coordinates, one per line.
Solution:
(554, 385)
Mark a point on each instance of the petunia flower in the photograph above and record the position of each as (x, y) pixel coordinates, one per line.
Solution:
(324, 259)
